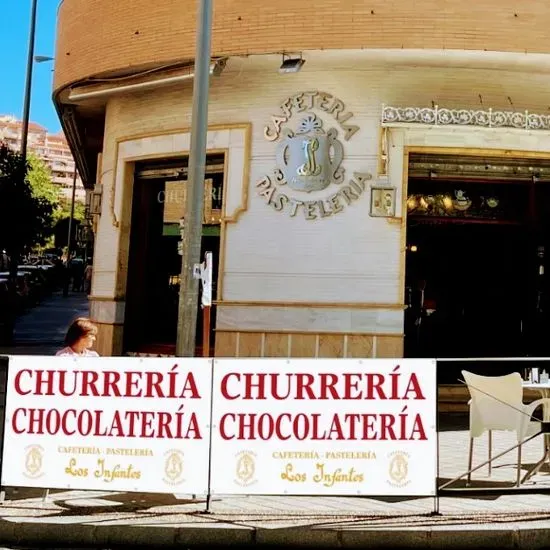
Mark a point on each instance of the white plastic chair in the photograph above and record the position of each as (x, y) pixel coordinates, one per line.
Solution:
(497, 404)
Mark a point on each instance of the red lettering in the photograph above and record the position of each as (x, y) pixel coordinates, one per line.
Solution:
(64, 420)
(414, 387)
(17, 382)
(328, 381)
(44, 377)
(369, 431)
(352, 419)
(190, 386)
(36, 419)
(62, 388)
(301, 427)
(110, 381)
(265, 426)
(247, 426)
(224, 385)
(374, 382)
(223, 433)
(278, 430)
(14, 425)
(418, 428)
(352, 385)
(304, 381)
(132, 384)
(133, 379)
(250, 384)
(89, 381)
(132, 416)
(275, 387)
(387, 420)
(97, 424)
(53, 421)
(147, 424)
(152, 382)
(116, 424)
(85, 422)
(164, 425)
(193, 428)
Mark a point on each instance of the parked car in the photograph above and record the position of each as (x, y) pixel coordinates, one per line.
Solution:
(38, 281)
(23, 297)
(8, 308)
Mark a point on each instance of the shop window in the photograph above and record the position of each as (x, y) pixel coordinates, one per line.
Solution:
(154, 268)
(476, 276)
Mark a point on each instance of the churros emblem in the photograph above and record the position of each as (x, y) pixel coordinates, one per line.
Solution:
(34, 455)
(245, 468)
(173, 467)
(399, 468)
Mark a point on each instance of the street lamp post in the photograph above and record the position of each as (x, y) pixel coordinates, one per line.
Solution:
(70, 238)
(14, 260)
(189, 284)
(28, 85)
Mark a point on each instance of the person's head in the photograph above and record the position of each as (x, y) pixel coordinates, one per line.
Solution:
(81, 334)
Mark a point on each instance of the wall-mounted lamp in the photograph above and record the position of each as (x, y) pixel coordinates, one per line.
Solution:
(95, 200)
(291, 64)
(42, 58)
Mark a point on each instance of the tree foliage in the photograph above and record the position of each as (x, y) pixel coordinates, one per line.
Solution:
(25, 216)
(42, 185)
(64, 211)
(40, 179)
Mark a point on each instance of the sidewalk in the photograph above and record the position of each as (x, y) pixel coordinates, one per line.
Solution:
(102, 519)
(41, 330)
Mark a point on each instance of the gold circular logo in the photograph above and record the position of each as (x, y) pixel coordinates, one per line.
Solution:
(246, 467)
(399, 467)
(33, 461)
(173, 467)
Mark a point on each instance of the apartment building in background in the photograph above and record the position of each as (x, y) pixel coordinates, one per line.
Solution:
(53, 149)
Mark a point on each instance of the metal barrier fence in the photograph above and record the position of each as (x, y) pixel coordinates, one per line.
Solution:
(246, 461)
(500, 367)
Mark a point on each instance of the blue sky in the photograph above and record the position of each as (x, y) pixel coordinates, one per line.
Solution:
(14, 30)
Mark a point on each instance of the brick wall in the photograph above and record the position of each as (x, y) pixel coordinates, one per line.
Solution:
(96, 36)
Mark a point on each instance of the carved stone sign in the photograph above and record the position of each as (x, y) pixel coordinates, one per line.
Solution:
(309, 158)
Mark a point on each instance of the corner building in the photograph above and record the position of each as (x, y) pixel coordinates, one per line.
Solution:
(387, 199)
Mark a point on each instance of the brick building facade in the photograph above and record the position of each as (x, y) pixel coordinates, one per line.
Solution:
(312, 176)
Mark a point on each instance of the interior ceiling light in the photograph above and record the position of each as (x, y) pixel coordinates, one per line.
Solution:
(291, 64)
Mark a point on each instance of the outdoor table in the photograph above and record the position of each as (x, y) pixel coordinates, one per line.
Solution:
(544, 390)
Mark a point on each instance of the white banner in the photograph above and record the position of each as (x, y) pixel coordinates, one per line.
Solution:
(117, 424)
(324, 427)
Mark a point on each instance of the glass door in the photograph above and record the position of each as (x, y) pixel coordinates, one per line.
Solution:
(155, 259)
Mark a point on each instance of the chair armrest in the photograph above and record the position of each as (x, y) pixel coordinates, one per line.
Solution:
(544, 401)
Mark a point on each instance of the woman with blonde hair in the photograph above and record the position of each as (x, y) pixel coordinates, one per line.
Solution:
(80, 338)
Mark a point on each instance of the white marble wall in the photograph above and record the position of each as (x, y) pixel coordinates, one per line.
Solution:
(269, 256)
(310, 319)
